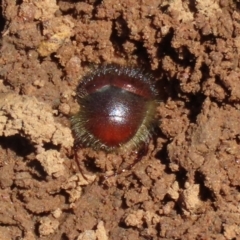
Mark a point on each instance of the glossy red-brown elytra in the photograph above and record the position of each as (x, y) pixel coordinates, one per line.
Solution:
(117, 108)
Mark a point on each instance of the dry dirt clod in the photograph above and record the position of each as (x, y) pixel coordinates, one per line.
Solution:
(186, 187)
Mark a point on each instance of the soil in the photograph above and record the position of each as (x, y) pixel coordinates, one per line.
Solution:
(186, 186)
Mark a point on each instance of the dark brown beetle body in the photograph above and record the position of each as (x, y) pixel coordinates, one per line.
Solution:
(117, 109)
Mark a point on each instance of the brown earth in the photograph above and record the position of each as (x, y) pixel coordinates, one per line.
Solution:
(186, 187)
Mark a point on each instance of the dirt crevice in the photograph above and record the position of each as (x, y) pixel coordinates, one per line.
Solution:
(187, 185)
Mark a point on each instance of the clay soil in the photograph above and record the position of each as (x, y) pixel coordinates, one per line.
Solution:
(187, 185)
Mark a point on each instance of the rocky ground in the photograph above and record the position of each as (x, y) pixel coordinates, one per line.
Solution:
(186, 186)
